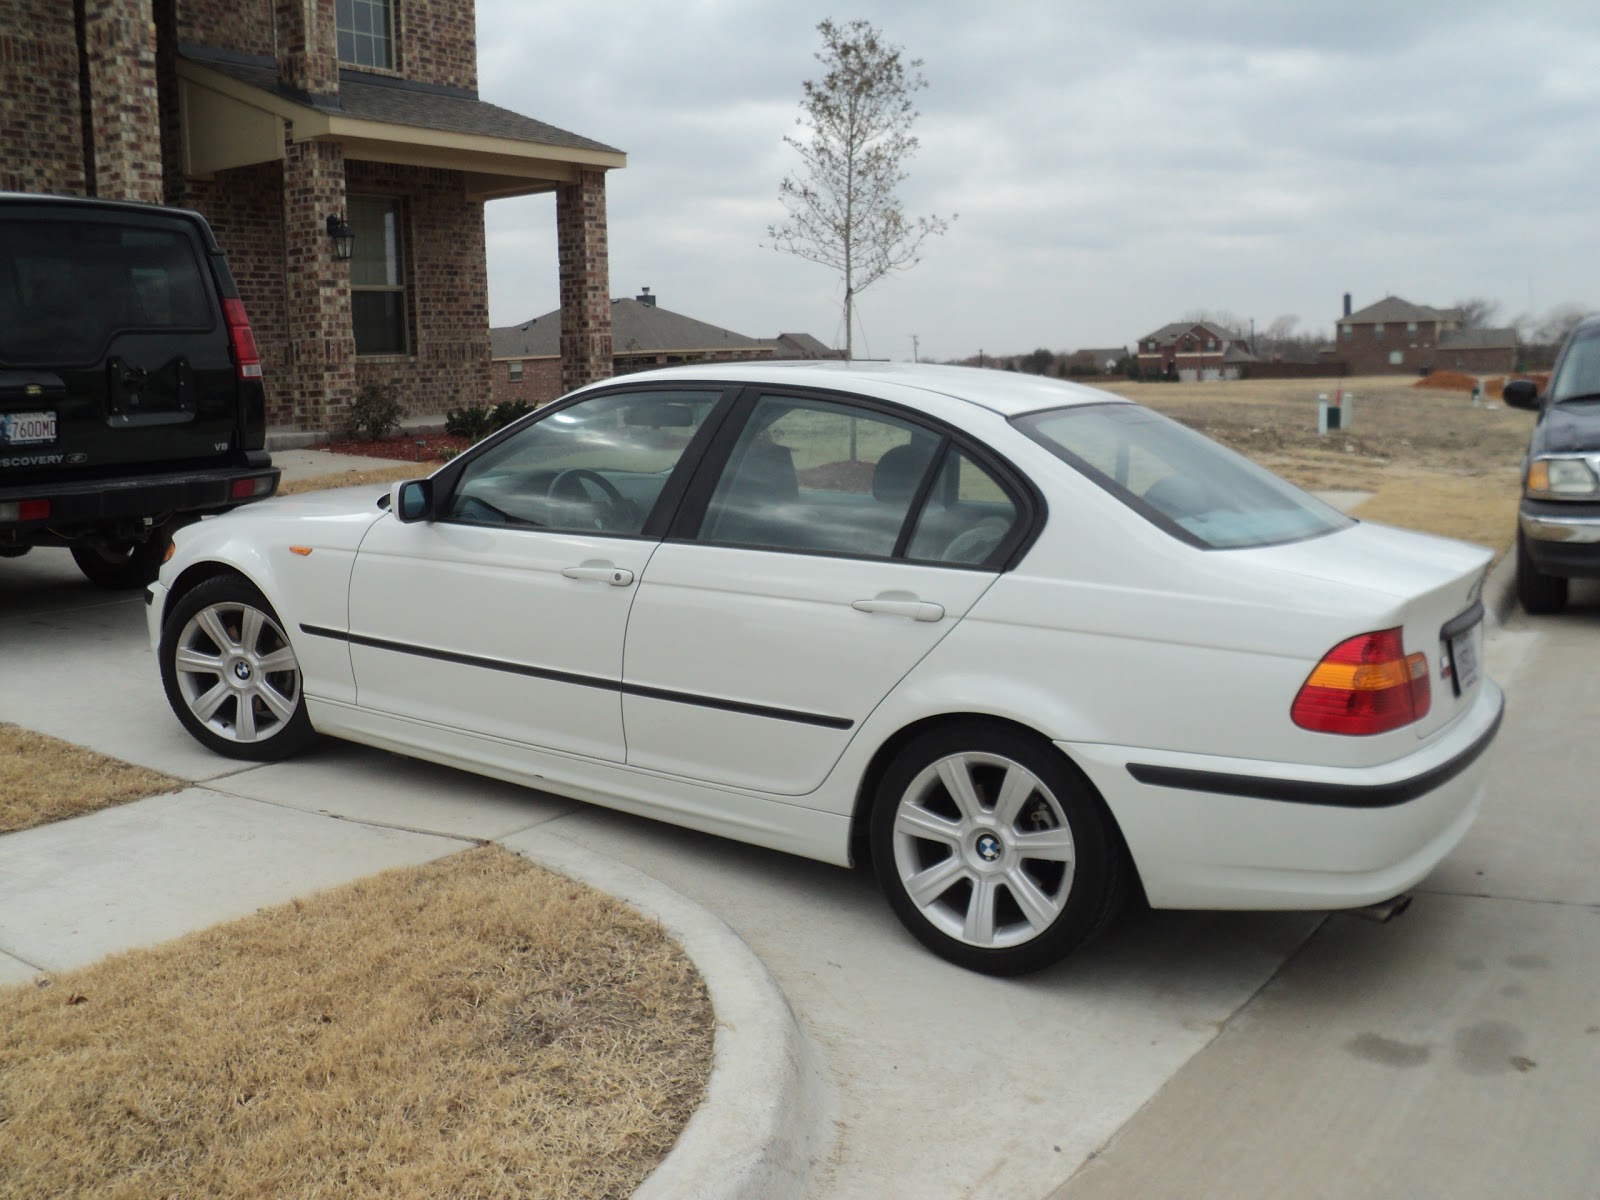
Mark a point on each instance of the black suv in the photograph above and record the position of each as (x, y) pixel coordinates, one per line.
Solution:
(131, 399)
(1558, 526)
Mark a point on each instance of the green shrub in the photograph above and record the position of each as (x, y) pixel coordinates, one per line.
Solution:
(374, 413)
(472, 421)
(508, 411)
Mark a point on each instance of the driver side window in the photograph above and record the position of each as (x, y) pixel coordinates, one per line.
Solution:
(597, 466)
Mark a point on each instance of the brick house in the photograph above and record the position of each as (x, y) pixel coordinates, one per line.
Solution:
(644, 335)
(1193, 351)
(1396, 337)
(285, 121)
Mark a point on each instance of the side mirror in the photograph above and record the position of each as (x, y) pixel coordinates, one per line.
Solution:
(1520, 393)
(412, 500)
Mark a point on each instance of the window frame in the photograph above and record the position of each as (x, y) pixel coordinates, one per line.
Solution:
(1031, 511)
(402, 270)
(514, 371)
(389, 39)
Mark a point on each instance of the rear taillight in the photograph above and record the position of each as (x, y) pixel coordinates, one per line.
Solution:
(255, 485)
(245, 357)
(25, 510)
(1363, 686)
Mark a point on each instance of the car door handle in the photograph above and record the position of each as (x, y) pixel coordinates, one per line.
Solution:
(615, 576)
(917, 610)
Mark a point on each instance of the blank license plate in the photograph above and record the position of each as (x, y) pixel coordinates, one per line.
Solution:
(1464, 658)
(27, 429)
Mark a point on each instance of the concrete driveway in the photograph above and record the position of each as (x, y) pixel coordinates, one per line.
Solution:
(1450, 1053)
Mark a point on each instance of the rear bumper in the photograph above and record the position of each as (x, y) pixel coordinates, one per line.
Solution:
(1233, 834)
(94, 502)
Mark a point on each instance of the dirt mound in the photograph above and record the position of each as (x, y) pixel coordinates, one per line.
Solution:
(1447, 381)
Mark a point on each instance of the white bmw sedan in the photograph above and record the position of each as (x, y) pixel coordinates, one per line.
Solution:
(1026, 646)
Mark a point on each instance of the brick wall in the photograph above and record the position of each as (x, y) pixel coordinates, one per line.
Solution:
(119, 41)
(244, 26)
(447, 277)
(40, 112)
(438, 42)
(245, 209)
(1369, 348)
(583, 257)
(540, 382)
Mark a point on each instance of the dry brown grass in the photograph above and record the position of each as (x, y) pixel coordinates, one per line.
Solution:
(355, 478)
(477, 1027)
(44, 779)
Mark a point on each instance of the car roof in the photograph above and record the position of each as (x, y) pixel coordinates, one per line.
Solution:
(1008, 393)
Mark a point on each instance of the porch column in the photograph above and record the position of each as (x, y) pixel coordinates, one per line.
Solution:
(585, 280)
(122, 121)
(321, 339)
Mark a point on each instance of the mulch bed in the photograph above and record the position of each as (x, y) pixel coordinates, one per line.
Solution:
(417, 445)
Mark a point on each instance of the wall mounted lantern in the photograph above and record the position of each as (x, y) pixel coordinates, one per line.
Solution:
(344, 242)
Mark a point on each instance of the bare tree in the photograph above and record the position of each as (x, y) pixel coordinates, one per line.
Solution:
(856, 121)
(1477, 312)
(1553, 327)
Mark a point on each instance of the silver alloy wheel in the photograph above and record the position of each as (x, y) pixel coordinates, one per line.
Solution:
(984, 850)
(237, 672)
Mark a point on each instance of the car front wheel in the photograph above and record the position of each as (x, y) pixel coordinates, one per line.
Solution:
(231, 674)
(1536, 591)
(993, 851)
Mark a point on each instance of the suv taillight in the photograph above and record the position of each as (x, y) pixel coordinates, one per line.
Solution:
(243, 341)
(1365, 685)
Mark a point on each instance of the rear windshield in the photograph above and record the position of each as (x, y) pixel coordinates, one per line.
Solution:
(1185, 483)
(67, 287)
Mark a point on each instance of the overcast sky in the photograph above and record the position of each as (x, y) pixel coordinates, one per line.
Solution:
(1116, 164)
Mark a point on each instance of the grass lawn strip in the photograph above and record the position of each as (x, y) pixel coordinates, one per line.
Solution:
(44, 779)
(475, 1027)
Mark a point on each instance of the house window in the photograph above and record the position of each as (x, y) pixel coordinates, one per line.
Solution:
(1396, 357)
(377, 275)
(1346, 330)
(366, 33)
(1377, 330)
(514, 371)
(1211, 343)
(1411, 326)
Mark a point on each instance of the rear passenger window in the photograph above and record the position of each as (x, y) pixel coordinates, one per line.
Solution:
(810, 475)
(967, 518)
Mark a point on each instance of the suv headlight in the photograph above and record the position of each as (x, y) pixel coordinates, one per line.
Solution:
(1561, 479)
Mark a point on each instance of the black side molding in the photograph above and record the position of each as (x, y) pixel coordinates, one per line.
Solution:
(1333, 795)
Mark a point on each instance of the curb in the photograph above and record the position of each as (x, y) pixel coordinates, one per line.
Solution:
(1500, 588)
(761, 1124)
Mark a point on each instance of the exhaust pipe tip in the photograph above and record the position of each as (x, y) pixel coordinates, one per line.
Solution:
(1384, 911)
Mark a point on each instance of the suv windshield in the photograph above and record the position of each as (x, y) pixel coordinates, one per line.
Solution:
(1579, 373)
(1185, 483)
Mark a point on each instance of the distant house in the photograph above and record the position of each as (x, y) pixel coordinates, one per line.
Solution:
(1193, 351)
(1394, 337)
(527, 357)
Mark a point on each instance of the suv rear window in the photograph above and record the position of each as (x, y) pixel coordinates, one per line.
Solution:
(1187, 484)
(67, 287)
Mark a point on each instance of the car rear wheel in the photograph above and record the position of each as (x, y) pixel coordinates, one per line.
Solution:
(231, 674)
(993, 851)
(1536, 591)
(125, 565)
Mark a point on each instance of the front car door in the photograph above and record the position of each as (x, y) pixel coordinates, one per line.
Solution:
(504, 615)
(837, 544)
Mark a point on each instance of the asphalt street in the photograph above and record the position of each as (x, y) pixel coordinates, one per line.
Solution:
(1451, 1052)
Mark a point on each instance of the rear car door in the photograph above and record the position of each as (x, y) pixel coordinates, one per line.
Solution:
(836, 546)
(114, 350)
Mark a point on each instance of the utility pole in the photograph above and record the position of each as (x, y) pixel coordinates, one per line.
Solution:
(914, 344)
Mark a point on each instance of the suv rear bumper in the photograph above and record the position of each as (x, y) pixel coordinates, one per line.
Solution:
(94, 503)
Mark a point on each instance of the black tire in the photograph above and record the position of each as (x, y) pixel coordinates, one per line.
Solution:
(978, 879)
(249, 702)
(120, 568)
(1536, 591)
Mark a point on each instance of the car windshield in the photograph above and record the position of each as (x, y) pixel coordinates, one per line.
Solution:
(1183, 482)
(1578, 377)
